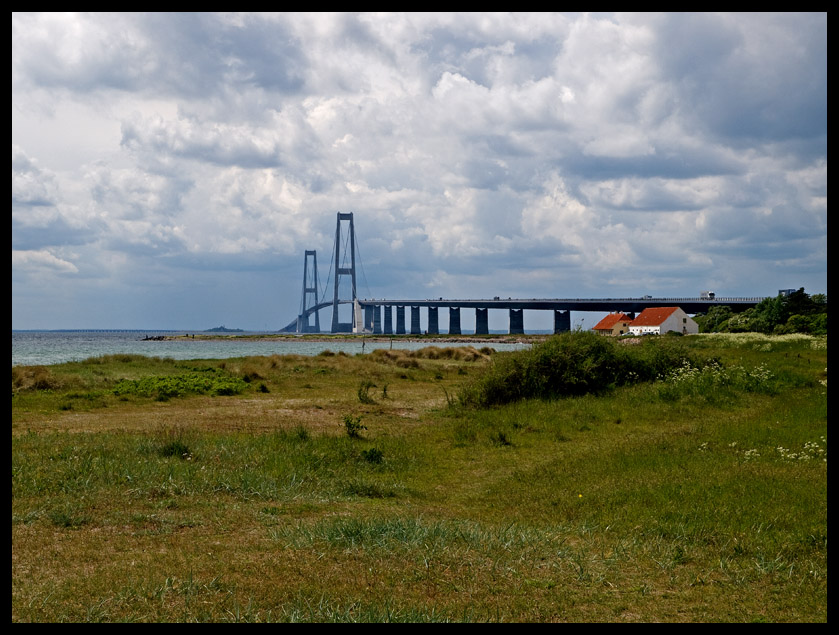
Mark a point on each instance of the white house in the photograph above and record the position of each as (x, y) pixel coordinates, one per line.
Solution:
(660, 320)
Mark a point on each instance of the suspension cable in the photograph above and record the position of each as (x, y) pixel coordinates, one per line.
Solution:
(362, 269)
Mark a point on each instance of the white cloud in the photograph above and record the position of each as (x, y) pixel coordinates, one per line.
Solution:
(40, 261)
(502, 149)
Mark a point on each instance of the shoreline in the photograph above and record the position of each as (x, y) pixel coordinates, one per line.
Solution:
(378, 338)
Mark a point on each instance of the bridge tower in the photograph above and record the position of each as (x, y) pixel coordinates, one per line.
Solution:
(337, 326)
(310, 290)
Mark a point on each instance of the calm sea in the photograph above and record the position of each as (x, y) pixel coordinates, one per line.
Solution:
(55, 347)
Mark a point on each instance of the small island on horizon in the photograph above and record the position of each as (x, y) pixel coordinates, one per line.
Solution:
(223, 329)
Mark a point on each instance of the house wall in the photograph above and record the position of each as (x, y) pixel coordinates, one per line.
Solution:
(620, 328)
(680, 322)
(642, 330)
(677, 321)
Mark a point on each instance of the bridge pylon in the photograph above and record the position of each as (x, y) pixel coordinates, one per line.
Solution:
(310, 290)
(342, 270)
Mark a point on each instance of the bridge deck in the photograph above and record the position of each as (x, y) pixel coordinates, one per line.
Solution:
(636, 305)
(627, 305)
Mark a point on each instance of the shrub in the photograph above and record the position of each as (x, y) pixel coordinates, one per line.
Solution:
(364, 391)
(572, 364)
(353, 426)
(373, 455)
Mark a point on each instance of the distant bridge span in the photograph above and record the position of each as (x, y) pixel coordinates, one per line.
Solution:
(367, 314)
(368, 318)
(627, 305)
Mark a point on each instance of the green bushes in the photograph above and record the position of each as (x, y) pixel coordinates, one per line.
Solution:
(212, 382)
(572, 364)
(797, 312)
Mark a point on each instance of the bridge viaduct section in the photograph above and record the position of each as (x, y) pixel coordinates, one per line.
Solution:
(369, 312)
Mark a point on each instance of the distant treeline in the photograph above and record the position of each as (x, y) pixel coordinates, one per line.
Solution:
(796, 312)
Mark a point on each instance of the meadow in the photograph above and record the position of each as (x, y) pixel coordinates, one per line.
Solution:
(657, 479)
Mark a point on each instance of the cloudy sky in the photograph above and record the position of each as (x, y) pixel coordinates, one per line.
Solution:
(170, 170)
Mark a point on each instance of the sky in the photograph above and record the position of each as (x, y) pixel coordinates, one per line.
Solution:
(170, 170)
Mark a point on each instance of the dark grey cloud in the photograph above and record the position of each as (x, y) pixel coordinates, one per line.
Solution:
(749, 77)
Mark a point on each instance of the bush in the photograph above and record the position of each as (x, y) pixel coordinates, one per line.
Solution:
(373, 455)
(364, 391)
(353, 426)
(166, 387)
(571, 364)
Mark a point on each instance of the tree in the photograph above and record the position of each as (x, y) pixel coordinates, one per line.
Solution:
(716, 320)
(796, 312)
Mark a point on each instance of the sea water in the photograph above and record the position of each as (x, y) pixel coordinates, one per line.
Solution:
(55, 347)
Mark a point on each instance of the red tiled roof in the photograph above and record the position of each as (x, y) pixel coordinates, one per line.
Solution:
(653, 316)
(609, 321)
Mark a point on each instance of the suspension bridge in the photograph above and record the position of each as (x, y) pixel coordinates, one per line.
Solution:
(377, 315)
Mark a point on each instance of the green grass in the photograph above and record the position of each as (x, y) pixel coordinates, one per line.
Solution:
(700, 496)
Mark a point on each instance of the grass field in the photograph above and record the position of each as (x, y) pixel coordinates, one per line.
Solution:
(383, 487)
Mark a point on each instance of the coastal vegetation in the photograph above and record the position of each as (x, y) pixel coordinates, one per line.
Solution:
(677, 479)
(796, 312)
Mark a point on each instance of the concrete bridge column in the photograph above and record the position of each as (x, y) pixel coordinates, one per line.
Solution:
(400, 320)
(562, 321)
(482, 321)
(388, 325)
(415, 321)
(368, 318)
(454, 320)
(516, 321)
(357, 324)
(433, 323)
(377, 320)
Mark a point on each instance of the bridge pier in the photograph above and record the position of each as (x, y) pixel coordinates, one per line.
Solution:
(377, 320)
(454, 320)
(516, 321)
(367, 323)
(388, 325)
(415, 320)
(562, 321)
(400, 320)
(482, 321)
(433, 322)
